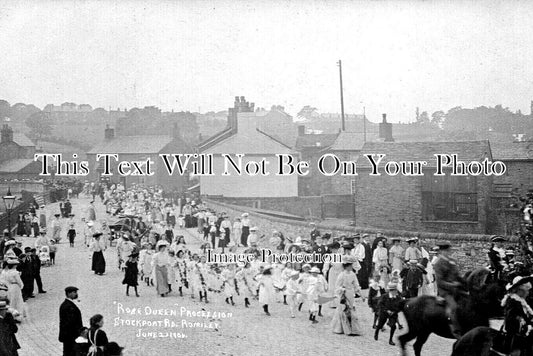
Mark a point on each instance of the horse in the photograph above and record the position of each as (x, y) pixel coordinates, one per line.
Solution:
(476, 304)
(476, 342)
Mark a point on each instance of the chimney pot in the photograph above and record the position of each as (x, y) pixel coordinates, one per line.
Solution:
(384, 118)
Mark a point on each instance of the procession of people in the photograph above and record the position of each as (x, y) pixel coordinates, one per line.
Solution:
(155, 247)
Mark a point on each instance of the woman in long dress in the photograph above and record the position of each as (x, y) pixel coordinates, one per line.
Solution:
(14, 283)
(380, 257)
(98, 248)
(161, 265)
(345, 320)
(332, 270)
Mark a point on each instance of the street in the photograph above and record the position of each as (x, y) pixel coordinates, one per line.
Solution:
(151, 325)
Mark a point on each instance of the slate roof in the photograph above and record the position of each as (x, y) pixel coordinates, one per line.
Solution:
(315, 140)
(216, 138)
(15, 165)
(132, 144)
(352, 141)
(512, 151)
(22, 140)
(424, 151)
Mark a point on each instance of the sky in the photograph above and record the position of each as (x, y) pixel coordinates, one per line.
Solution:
(199, 55)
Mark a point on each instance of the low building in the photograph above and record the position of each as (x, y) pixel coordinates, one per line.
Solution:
(17, 156)
(140, 148)
(448, 204)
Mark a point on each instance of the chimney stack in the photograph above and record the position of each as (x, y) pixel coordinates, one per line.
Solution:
(7, 134)
(301, 130)
(176, 131)
(109, 133)
(385, 130)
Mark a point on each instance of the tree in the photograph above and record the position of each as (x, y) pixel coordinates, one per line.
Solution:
(438, 117)
(423, 118)
(40, 124)
(5, 110)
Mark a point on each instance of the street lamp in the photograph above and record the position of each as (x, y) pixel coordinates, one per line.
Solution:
(9, 202)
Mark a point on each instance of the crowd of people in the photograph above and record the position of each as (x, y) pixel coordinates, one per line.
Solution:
(152, 249)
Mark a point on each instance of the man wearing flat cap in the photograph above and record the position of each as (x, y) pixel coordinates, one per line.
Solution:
(70, 321)
(497, 256)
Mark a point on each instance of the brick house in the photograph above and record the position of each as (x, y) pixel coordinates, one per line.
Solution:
(448, 204)
(139, 148)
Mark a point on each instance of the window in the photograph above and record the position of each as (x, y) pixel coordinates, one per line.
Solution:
(449, 198)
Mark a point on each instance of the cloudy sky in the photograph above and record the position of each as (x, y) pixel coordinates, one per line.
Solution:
(198, 55)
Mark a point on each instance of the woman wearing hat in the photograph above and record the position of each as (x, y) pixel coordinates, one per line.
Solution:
(245, 226)
(396, 254)
(98, 248)
(345, 320)
(518, 317)
(11, 278)
(160, 266)
(8, 328)
(332, 269)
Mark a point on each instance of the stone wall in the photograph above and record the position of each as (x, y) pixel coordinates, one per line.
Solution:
(470, 250)
(301, 206)
(518, 174)
(396, 202)
(18, 187)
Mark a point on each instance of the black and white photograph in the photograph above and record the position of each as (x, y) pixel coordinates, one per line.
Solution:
(258, 177)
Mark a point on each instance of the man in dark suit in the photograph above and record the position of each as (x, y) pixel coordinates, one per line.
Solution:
(27, 273)
(70, 322)
(36, 263)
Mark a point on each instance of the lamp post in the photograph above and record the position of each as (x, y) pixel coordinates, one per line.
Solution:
(9, 201)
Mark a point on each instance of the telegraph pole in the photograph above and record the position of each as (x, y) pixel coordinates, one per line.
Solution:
(364, 124)
(342, 96)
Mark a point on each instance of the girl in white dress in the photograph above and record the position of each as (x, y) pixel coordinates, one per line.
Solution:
(292, 290)
(181, 272)
(194, 279)
(228, 276)
(247, 284)
(266, 289)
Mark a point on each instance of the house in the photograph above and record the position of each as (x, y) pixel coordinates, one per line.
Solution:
(518, 158)
(242, 136)
(17, 156)
(278, 123)
(448, 204)
(311, 148)
(140, 148)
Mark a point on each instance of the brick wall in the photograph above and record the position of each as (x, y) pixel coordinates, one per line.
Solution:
(519, 175)
(470, 250)
(396, 202)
